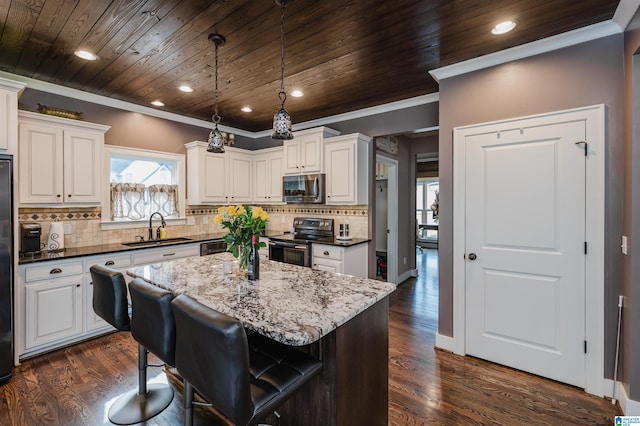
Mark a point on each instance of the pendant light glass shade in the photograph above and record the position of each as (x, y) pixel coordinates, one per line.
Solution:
(282, 125)
(216, 141)
(282, 119)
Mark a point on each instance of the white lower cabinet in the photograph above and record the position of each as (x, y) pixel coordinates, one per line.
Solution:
(352, 260)
(53, 311)
(55, 298)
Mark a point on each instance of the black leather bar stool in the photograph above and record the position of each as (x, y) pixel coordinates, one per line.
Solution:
(152, 326)
(245, 380)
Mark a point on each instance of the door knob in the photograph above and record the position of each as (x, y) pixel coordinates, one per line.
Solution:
(472, 256)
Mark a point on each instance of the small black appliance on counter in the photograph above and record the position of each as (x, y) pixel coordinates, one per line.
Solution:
(30, 238)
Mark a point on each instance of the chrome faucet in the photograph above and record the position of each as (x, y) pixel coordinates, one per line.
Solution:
(163, 224)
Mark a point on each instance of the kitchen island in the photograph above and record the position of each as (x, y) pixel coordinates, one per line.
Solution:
(341, 319)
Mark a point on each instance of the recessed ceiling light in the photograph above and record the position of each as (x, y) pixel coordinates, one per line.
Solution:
(503, 27)
(84, 54)
(246, 109)
(297, 93)
(157, 103)
(185, 89)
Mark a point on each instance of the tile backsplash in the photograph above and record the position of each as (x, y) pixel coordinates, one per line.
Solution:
(85, 228)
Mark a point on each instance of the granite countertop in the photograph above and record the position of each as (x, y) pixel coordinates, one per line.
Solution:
(291, 304)
(69, 253)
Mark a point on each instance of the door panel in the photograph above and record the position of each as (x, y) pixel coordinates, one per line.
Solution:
(525, 223)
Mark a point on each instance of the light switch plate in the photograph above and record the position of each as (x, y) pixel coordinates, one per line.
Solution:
(624, 244)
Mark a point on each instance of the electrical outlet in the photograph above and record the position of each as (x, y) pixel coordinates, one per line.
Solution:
(624, 246)
(283, 219)
(191, 220)
(67, 229)
(205, 220)
(404, 259)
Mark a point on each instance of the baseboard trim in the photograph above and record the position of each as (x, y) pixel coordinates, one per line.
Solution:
(445, 342)
(405, 276)
(629, 406)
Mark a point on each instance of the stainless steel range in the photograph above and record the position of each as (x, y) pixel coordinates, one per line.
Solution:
(296, 248)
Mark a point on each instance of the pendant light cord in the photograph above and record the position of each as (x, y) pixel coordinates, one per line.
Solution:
(216, 117)
(282, 95)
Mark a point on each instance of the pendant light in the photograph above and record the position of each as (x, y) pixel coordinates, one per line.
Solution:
(216, 139)
(282, 119)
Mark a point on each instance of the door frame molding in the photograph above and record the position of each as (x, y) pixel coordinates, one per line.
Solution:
(594, 117)
(392, 216)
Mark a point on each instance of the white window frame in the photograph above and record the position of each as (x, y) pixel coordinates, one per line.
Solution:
(179, 159)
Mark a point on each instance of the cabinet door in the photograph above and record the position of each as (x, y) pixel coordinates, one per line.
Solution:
(275, 178)
(53, 311)
(240, 175)
(340, 173)
(310, 154)
(291, 157)
(261, 184)
(215, 177)
(40, 172)
(82, 166)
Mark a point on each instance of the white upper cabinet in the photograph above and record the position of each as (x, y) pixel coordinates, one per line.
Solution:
(9, 91)
(60, 160)
(347, 168)
(267, 180)
(303, 154)
(218, 178)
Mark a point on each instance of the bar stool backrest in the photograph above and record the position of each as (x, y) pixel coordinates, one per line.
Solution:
(110, 296)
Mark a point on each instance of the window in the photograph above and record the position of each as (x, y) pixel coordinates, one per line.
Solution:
(426, 194)
(142, 182)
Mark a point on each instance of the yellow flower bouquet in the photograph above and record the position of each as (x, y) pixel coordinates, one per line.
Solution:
(242, 222)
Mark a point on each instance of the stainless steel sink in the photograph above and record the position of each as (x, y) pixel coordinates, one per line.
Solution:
(156, 242)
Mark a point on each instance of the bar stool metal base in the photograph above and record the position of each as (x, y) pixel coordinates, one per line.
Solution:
(132, 408)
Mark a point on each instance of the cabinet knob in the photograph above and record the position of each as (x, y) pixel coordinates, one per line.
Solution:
(302, 167)
(55, 271)
(77, 285)
(58, 195)
(326, 253)
(69, 195)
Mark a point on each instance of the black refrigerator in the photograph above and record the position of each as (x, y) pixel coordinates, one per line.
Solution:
(6, 268)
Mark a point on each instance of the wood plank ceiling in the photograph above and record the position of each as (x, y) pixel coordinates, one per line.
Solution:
(344, 54)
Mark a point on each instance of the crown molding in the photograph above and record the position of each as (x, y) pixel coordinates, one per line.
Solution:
(537, 47)
(360, 113)
(128, 106)
(625, 12)
(116, 103)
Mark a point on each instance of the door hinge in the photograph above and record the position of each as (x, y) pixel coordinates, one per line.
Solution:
(586, 147)
(585, 247)
(585, 346)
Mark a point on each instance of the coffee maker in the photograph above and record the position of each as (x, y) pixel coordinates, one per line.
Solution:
(30, 238)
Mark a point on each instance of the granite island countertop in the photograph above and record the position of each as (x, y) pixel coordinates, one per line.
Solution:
(291, 304)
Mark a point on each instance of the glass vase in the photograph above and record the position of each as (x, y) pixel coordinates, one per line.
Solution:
(243, 257)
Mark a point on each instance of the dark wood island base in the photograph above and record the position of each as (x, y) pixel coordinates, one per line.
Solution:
(353, 386)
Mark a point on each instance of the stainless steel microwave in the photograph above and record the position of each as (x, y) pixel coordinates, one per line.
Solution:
(304, 189)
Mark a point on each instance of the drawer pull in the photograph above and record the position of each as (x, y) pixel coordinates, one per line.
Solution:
(55, 271)
(109, 263)
(326, 253)
(169, 254)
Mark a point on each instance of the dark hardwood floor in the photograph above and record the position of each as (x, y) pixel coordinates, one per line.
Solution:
(75, 386)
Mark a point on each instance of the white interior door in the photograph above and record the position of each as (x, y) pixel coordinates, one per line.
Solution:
(525, 248)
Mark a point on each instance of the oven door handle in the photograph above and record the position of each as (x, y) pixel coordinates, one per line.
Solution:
(292, 245)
